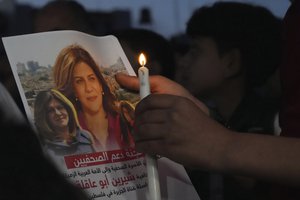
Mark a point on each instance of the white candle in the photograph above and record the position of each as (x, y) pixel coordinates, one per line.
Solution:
(144, 81)
(153, 180)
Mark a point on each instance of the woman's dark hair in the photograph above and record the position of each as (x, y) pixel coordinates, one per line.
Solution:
(126, 127)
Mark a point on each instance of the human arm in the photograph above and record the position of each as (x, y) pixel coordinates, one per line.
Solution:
(160, 85)
(175, 127)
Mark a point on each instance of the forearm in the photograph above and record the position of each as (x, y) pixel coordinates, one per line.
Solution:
(200, 104)
(264, 157)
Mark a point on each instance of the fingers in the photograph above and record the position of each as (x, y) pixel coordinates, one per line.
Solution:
(152, 147)
(155, 117)
(151, 116)
(152, 119)
(129, 82)
(148, 132)
(158, 84)
(156, 101)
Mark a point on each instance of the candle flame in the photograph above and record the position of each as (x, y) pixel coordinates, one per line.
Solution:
(142, 59)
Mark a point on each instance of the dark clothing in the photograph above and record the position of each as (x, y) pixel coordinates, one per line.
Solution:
(290, 80)
(254, 114)
(290, 73)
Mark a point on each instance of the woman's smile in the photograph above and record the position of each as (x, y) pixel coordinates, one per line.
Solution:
(92, 98)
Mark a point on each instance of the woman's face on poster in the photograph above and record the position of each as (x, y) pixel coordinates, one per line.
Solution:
(57, 115)
(87, 88)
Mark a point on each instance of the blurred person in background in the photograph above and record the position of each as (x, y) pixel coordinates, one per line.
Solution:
(235, 48)
(180, 44)
(275, 159)
(6, 74)
(62, 15)
(157, 49)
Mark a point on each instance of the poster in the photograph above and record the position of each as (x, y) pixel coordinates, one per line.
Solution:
(82, 116)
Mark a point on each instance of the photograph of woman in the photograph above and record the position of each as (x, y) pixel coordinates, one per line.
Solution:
(57, 125)
(127, 113)
(78, 77)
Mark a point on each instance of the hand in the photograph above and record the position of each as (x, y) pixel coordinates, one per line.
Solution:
(176, 128)
(159, 85)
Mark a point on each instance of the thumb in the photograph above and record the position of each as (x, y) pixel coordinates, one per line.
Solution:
(128, 82)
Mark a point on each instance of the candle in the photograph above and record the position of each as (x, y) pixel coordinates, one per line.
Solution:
(143, 77)
(153, 180)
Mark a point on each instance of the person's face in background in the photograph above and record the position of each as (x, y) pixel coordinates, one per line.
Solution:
(201, 69)
(87, 88)
(57, 115)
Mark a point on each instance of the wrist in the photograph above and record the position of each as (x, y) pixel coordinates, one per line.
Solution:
(216, 116)
(200, 104)
(222, 159)
(226, 159)
(211, 151)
